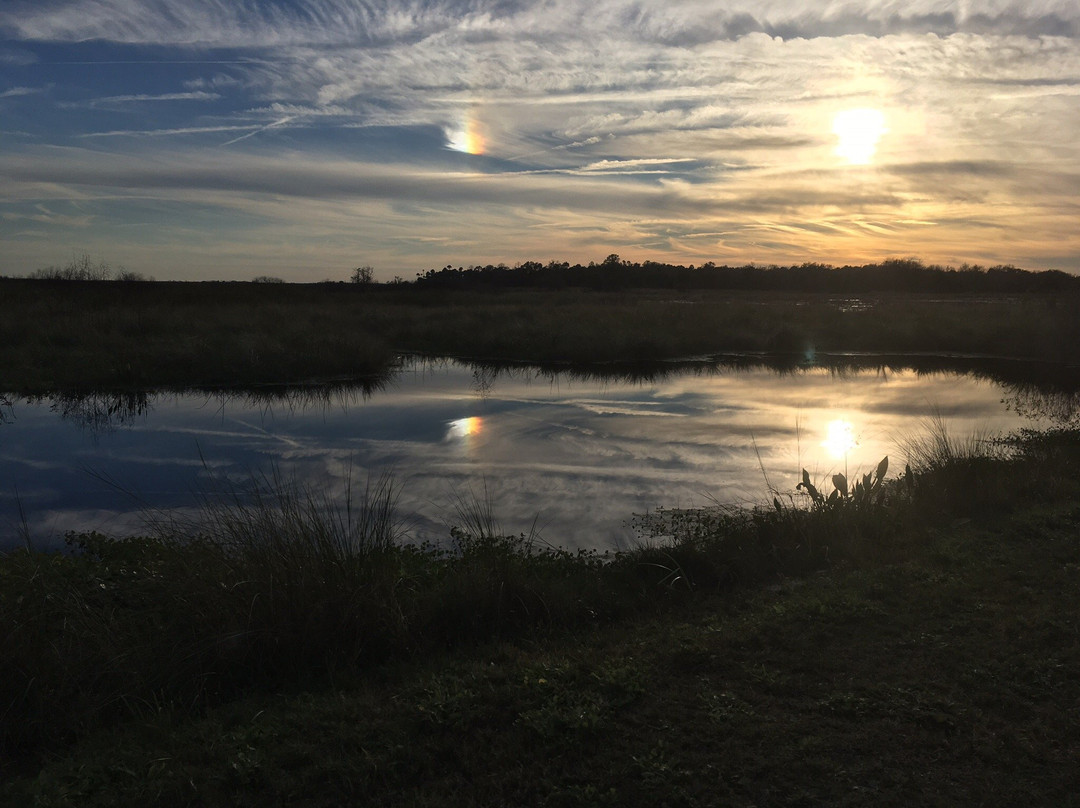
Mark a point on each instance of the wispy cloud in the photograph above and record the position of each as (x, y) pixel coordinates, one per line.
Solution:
(641, 162)
(143, 98)
(182, 130)
(346, 23)
(16, 92)
(43, 215)
(274, 125)
(17, 57)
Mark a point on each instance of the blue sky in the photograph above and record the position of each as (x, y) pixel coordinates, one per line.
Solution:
(198, 139)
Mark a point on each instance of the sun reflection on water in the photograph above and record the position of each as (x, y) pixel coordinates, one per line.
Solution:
(464, 428)
(839, 438)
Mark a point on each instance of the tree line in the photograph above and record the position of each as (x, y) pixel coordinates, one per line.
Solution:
(613, 273)
(84, 268)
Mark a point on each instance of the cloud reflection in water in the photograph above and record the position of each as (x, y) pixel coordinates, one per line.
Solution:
(582, 450)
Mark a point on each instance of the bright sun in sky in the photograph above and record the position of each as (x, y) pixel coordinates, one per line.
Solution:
(859, 131)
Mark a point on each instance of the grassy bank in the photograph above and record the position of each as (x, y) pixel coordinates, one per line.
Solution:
(64, 335)
(289, 655)
(945, 680)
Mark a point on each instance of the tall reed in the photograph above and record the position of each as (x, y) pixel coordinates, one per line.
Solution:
(936, 447)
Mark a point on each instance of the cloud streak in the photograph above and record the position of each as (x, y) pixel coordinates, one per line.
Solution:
(296, 176)
(144, 98)
(17, 92)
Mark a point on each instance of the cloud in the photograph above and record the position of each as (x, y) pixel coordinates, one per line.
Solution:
(180, 130)
(141, 98)
(623, 165)
(217, 82)
(213, 23)
(43, 215)
(16, 92)
(342, 23)
(16, 57)
(295, 175)
(273, 125)
(972, 168)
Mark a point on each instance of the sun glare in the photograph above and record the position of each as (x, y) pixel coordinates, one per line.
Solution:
(858, 131)
(839, 438)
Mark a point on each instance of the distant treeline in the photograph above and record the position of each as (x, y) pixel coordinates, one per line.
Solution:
(888, 276)
(84, 268)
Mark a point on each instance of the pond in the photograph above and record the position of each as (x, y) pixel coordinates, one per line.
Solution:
(573, 454)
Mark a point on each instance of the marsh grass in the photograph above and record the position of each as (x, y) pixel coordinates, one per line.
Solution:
(474, 512)
(963, 473)
(935, 447)
(66, 335)
(81, 335)
(273, 583)
(278, 585)
(274, 514)
(936, 681)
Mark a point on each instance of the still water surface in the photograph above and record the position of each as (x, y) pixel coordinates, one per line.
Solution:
(579, 453)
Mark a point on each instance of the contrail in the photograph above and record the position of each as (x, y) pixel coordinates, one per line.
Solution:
(260, 129)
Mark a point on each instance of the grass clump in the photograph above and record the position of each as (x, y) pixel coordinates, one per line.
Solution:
(272, 586)
(277, 585)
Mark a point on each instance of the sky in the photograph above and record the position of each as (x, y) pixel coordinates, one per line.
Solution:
(226, 139)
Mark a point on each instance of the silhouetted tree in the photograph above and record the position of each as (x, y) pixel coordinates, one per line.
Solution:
(364, 274)
(130, 276)
(893, 275)
(79, 268)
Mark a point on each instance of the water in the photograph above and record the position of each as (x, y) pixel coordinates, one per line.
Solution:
(575, 454)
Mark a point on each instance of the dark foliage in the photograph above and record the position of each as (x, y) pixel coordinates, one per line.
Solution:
(893, 275)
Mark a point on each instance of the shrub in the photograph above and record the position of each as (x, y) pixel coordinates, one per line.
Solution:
(80, 268)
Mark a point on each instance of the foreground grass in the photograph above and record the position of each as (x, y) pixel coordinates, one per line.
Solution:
(64, 335)
(949, 678)
(308, 661)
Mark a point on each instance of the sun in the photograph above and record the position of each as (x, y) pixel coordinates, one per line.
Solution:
(859, 131)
